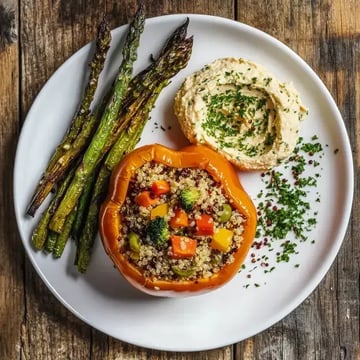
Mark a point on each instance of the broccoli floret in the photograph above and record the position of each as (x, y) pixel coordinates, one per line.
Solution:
(188, 198)
(158, 231)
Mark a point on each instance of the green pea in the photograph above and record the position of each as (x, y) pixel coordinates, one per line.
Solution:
(225, 214)
(182, 272)
(134, 242)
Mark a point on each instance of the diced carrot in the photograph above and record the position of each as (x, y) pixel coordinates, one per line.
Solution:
(160, 187)
(145, 199)
(180, 219)
(205, 225)
(160, 210)
(183, 247)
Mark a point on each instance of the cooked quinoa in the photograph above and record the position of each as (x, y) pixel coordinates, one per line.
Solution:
(158, 260)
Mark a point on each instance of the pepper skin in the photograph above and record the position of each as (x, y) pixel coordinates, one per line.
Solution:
(194, 156)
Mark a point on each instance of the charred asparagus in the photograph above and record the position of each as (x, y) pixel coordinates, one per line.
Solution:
(127, 140)
(83, 121)
(95, 149)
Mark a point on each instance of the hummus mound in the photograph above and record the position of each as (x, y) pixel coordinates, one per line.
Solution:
(241, 110)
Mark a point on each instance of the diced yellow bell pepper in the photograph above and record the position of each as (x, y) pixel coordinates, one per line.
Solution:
(221, 240)
(160, 210)
(134, 256)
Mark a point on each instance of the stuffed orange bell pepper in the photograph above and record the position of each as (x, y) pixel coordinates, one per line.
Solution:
(200, 183)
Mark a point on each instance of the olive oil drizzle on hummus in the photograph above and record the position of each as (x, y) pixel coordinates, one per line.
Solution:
(238, 119)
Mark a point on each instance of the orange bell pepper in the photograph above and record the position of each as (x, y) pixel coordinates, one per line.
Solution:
(180, 219)
(205, 225)
(160, 187)
(194, 156)
(182, 247)
(145, 199)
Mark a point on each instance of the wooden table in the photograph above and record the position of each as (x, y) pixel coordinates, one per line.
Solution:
(33, 324)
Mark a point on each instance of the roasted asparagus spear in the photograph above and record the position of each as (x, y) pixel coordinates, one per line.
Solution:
(40, 233)
(75, 207)
(125, 143)
(95, 150)
(179, 52)
(83, 121)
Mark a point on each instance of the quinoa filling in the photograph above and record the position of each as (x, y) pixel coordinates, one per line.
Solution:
(178, 223)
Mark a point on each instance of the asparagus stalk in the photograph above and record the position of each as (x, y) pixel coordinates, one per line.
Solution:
(96, 66)
(51, 241)
(40, 233)
(146, 77)
(63, 237)
(95, 150)
(126, 142)
(57, 164)
(174, 56)
(83, 204)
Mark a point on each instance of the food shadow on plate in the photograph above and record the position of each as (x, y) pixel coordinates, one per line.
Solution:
(103, 276)
(164, 121)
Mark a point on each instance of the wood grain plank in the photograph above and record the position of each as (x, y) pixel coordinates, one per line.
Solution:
(50, 33)
(326, 35)
(11, 253)
(50, 331)
(343, 44)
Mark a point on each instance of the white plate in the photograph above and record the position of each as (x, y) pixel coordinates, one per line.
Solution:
(101, 297)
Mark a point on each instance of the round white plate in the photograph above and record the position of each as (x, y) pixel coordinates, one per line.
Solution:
(101, 297)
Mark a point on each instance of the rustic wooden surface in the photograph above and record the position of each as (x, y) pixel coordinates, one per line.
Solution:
(33, 324)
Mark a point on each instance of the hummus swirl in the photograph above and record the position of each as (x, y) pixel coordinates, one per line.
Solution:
(241, 110)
